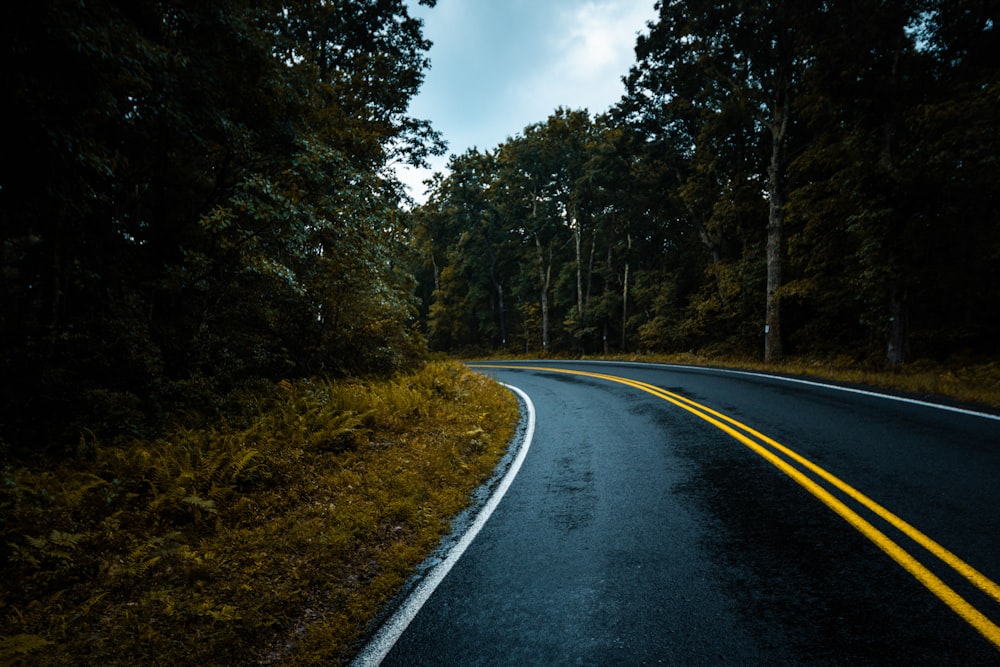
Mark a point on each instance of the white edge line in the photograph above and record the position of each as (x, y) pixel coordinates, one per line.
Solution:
(782, 378)
(375, 651)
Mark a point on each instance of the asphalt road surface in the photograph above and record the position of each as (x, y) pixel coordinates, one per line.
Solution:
(793, 524)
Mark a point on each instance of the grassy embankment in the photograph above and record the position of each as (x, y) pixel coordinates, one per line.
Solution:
(971, 382)
(274, 542)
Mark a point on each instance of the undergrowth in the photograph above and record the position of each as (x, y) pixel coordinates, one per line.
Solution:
(272, 543)
(963, 381)
(966, 381)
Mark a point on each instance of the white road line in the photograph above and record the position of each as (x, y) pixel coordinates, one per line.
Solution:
(383, 641)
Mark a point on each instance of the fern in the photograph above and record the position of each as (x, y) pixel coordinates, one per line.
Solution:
(201, 504)
(66, 540)
(212, 468)
(85, 608)
(239, 465)
(142, 558)
(20, 645)
(57, 546)
(141, 523)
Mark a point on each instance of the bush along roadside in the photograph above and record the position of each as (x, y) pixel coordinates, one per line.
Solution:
(271, 543)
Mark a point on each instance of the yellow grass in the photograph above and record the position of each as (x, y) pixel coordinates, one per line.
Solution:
(972, 382)
(272, 544)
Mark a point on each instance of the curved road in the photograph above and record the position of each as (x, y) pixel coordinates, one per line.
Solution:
(672, 515)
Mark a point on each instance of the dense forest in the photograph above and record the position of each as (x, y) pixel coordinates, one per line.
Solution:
(781, 178)
(221, 441)
(195, 197)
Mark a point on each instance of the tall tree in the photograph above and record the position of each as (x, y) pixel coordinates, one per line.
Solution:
(529, 167)
(877, 251)
(465, 227)
(740, 60)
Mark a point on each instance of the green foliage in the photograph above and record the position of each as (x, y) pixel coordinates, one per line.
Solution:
(21, 645)
(826, 170)
(197, 196)
(273, 542)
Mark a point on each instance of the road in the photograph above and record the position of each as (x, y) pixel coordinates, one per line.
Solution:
(794, 524)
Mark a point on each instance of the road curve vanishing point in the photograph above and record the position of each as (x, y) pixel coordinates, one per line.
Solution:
(785, 460)
(635, 533)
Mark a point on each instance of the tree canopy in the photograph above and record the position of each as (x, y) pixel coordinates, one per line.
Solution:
(806, 178)
(195, 195)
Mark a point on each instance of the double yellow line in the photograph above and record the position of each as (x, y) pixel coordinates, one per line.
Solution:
(773, 451)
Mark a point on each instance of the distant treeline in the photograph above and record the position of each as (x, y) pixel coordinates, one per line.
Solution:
(197, 195)
(809, 178)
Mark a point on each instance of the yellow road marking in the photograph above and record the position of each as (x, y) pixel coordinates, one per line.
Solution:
(728, 425)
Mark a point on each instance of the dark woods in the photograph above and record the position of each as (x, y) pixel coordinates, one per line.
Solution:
(781, 178)
(194, 196)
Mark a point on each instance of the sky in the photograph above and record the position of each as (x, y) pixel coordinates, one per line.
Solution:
(498, 66)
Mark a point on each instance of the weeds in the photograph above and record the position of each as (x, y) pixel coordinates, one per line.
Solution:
(962, 380)
(272, 543)
(968, 382)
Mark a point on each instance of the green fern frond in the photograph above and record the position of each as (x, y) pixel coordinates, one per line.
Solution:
(22, 555)
(143, 557)
(20, 645)
(58, 545)
(67, 540)
(239, 464)
(89, 604)
(212, 468)
(201, 503)
(39, 543)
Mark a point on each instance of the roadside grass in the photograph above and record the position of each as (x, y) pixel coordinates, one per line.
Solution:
(973, 382)
(275, 542)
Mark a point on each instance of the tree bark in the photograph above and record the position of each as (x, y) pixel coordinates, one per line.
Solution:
(773, 349)
(544, 278)
(628, 248)
(896, 351)
(497, 287)
(577, 242)
(437, 271)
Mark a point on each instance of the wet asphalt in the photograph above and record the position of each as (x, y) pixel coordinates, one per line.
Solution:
(638, 534)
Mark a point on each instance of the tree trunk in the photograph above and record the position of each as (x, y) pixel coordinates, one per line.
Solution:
(437, 271)
(896, 345)
(628, 248)
(896, 351)
(577, 234)
(775, 227)
(544, 277)
(607, 281)
(713, 245)
(497, 287)
(590, 268)
(503, 322)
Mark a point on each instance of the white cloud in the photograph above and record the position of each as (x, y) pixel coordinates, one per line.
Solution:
(592, 50)
(500, 66)
(413, 177)
(590, 47)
